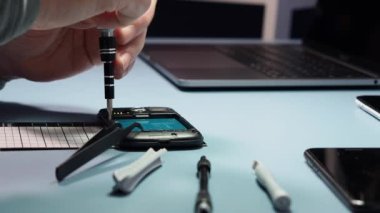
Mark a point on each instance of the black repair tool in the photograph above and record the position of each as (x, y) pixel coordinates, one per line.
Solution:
(107, 46)
(203, 203)
(105, 139)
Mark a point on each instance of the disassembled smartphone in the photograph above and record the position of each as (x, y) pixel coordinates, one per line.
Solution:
(162, 128)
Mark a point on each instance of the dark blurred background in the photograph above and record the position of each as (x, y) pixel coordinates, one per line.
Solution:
(175, 18)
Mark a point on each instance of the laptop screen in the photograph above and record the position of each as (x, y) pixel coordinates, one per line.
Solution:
(348, 29)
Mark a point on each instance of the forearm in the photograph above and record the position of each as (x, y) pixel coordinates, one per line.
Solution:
(5, 75)
(5, 71)
(16, 16)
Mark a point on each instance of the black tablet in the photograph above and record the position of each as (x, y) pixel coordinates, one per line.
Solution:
(352, 173)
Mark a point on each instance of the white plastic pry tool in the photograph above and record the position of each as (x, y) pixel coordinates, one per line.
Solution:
(128, 177)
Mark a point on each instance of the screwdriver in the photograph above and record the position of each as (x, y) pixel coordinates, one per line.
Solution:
(203, 203)
(107, 46)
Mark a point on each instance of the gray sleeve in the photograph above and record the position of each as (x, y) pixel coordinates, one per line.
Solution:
(16, 16)
(2, 83)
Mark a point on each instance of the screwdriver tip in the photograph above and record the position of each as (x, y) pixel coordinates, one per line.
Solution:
(109, 108)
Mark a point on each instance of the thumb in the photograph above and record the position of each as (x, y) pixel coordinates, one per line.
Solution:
(120, 18)
(57, 13)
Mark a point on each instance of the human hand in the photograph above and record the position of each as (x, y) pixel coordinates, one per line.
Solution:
(64, 39)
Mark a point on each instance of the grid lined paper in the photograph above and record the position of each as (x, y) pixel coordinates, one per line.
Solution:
(49, 136)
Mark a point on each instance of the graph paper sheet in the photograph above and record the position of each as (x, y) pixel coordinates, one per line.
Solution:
(41, 136)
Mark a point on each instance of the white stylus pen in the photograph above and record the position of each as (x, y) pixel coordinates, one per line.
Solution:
(280, 198)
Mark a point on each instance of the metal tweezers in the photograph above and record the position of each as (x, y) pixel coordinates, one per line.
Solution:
(109, 136)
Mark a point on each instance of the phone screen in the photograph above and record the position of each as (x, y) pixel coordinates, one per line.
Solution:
(353, 172)
(154, 124)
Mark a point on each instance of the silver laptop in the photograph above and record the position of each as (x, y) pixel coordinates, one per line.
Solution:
(341, 49)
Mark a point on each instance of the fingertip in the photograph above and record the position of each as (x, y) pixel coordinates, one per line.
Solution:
(123, 64)
(118, 68)
(131, 64)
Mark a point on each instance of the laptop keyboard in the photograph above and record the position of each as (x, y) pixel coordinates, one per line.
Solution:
(288, 61)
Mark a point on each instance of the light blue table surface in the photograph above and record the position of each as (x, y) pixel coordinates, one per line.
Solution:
(274, 127)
